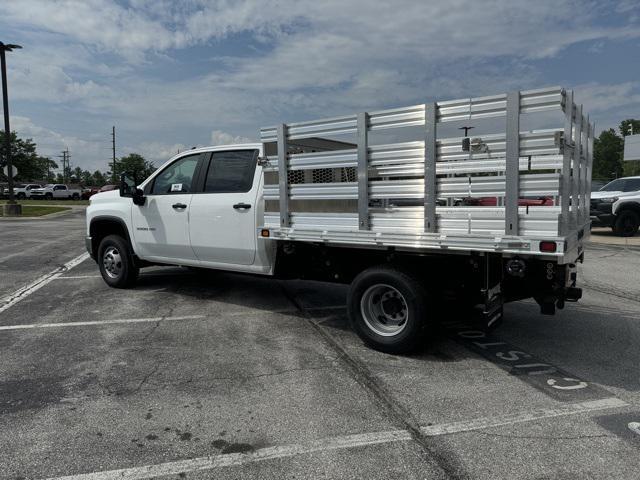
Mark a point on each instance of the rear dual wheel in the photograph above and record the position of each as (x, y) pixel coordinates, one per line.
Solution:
(388, 310)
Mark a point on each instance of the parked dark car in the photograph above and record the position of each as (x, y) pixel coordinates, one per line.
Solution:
(87, 192)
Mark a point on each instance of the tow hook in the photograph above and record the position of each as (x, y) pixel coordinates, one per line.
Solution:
(572, 294)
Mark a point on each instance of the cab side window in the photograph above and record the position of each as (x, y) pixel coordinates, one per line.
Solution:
(632, 185)
(177, 177)
(231, 172)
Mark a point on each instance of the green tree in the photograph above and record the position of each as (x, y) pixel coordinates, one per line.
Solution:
(136, 165)
(76, 175)
(24, 157)
(628, 126)
(86, 178)
(607, 155)
(47, 166)
(98, 179)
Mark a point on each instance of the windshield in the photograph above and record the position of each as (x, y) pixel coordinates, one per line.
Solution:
(622, 185)
(615, 186)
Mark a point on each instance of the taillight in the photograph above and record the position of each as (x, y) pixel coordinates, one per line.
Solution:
(548, 247)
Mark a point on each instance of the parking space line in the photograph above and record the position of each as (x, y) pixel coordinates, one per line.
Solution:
(335, 443)
(232, 459)
(99, 322)
(10, 300)
(75, 277)
(498, 421)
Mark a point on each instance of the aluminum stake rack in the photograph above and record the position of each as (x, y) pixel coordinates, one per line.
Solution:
(431, 192)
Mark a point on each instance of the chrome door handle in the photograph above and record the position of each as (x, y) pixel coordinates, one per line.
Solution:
(244, 206)
(178, 206)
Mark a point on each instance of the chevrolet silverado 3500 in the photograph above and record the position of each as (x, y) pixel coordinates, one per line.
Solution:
(376, 212)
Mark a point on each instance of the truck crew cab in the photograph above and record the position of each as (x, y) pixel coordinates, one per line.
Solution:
(379, 217)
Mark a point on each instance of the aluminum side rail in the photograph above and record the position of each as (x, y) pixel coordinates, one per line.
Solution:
(503, 190)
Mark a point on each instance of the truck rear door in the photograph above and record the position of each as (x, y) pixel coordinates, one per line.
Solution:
(222, 220)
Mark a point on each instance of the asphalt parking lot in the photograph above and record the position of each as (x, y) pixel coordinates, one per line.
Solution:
(232, 376)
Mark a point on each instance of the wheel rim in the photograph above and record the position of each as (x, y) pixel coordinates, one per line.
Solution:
(112, 262)
(384, 310)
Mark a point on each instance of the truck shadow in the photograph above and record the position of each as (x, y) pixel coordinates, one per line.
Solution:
(597, 343)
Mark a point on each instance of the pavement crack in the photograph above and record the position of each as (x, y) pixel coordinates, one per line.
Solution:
(610, 291)
(152, 330)
(147, 377)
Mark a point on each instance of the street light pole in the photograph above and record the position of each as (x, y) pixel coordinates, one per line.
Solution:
(7, 129)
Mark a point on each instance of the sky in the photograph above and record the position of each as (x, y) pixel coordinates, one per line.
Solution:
(175, 74)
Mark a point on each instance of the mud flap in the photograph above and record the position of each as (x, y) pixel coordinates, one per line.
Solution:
(490, 314)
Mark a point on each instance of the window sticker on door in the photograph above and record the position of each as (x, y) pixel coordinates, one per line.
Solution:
(176, 187)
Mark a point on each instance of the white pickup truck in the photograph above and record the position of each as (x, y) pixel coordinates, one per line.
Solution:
(22, 191)
(617, 205)
(56, 191)
(301, 204)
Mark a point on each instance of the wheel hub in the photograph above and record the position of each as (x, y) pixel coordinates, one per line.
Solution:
(384, 310)
(112, 262)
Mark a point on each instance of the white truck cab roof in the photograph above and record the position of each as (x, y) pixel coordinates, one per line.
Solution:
(211, 148)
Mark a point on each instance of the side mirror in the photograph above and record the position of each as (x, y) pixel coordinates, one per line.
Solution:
(127, 185)
(128, 188)
(138, 197)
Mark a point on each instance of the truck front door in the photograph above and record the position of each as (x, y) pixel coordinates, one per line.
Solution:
(223, 215)
(161, 225)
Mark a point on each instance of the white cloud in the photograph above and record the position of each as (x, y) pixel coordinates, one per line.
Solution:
(435, 29)
(602, 97)
(91, 64)
(156, 152)
(608, 104)
(86, 154)
(218, 137)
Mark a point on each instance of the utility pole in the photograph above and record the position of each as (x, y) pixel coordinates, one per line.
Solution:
(64, 160)
(466, 130)
(113, 150)
(65, 164)
(68, 169)
(11, 208)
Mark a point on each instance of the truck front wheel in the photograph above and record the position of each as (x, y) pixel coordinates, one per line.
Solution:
(115, 260)
(626, 223)
(388, 310)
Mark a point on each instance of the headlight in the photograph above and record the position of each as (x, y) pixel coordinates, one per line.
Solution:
(609, 200)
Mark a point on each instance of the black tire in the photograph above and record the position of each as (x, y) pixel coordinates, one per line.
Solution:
(21, 196)
(391, 331)
(75, 196)
(626, 224)
(48, 196)
(115, 260)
